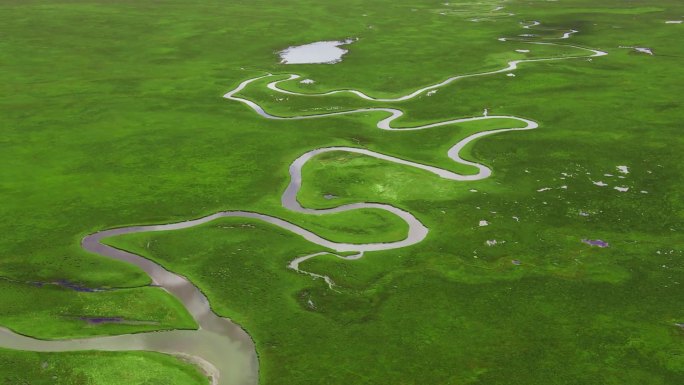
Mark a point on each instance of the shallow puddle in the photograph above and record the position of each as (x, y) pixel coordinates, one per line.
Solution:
(321, 52)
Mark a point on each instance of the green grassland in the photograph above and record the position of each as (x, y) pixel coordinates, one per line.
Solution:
(63, 312)
(86, 368)
(111, 115)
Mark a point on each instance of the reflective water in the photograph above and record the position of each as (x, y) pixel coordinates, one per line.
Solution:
(321, 52)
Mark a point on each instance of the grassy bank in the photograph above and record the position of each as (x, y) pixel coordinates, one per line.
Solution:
(85, 368)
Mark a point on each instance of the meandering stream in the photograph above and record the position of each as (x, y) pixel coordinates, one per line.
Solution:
(221, 348)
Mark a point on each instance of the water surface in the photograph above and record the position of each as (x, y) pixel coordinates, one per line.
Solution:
(320, 52)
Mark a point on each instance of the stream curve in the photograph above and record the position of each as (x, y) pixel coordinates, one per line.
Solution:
(221, 348)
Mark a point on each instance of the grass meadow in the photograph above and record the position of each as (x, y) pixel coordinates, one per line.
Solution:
(111, 115)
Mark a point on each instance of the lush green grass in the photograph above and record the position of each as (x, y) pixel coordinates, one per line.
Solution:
(86, 368)
(111, 115)
(51, 312)
(582, 324)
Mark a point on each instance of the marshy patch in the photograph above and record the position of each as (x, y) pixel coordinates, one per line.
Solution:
(596, 242)
(114, 320)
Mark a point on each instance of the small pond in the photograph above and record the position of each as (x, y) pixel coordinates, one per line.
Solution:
(320, 52)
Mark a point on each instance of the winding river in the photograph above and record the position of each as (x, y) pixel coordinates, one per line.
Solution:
(219, 347)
